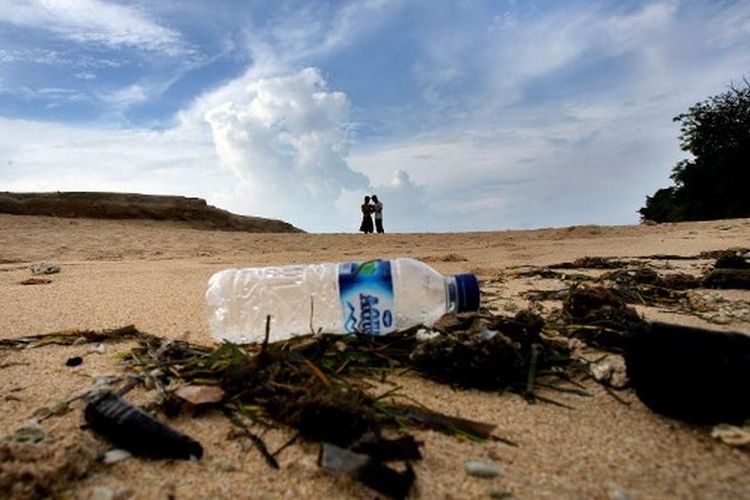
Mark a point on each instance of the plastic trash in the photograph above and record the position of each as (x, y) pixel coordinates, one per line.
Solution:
(134, 430)
(375, 298)
(693, 374)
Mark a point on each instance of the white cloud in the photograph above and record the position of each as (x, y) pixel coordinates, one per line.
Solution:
(38, 156)
(287, 138)
(126, 96)
(93, 21)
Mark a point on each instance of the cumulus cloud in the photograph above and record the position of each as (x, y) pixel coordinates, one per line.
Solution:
(93, 21)
(287, 138)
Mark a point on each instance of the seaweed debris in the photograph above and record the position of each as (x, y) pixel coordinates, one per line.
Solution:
(321, 386)
(75, 337)
(598, 316)
(591, 263)
(501, 355)
(315, 385)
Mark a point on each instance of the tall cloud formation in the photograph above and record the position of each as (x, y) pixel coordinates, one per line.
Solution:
(287, 137)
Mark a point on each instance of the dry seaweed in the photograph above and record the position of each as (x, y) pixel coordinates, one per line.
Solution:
(70, 337)
(721, 254)
(645, 286)
(542, 295)
(591, 263)
(547, 273)
(599, 316)
(318, 385)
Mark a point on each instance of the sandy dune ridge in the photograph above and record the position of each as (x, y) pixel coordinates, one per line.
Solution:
(194, 212)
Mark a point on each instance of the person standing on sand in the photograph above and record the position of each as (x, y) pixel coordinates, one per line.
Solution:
(377, 207)
(366, 226)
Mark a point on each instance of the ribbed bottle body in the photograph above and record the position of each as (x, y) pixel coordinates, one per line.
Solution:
(375, 297)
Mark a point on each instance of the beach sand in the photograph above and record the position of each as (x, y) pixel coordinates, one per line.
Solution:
(153, 275)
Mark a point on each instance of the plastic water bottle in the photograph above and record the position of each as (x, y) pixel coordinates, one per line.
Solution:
(375, 297)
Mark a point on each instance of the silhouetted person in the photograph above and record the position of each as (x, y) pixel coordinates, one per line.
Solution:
(366, 226)
(377, 207)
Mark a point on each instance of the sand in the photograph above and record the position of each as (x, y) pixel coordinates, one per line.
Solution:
(153, 275)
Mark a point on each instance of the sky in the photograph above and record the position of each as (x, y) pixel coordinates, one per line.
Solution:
(463, 115)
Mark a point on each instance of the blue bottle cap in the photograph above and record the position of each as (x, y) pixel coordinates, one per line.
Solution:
(467, 292)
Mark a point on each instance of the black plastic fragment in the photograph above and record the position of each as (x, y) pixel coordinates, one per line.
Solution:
(732, 260)
(385, 450)
(74, 361)
(132, 429)
(728, 278)
(367, 470)
(692, 374)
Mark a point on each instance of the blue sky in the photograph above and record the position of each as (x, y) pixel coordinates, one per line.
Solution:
(461, 115)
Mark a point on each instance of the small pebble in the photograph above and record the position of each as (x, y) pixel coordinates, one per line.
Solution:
(44, 268)
(74, 361)
(601, 371)
(99, 349)
(59, 408)
(116, 455)
(482, 469)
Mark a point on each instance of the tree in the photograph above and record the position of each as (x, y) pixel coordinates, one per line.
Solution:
(715, 183)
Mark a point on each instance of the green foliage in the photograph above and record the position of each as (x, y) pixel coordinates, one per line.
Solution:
(714, 183)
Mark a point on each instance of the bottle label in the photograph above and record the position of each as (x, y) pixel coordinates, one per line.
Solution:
(366, 294)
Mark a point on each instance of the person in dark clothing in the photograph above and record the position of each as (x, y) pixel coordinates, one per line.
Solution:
(377, 208)
(366, 226)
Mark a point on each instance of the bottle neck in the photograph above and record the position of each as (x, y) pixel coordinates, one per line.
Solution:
(451, 295)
